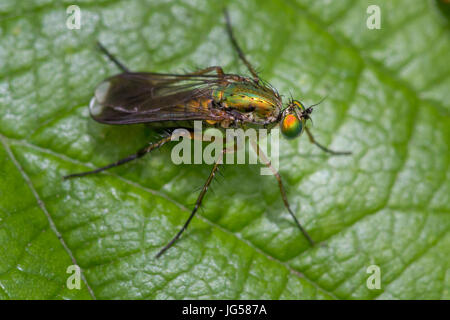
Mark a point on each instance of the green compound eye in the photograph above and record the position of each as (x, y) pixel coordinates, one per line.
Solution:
(291, 126)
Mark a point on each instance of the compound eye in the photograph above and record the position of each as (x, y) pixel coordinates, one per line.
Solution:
(291, 126)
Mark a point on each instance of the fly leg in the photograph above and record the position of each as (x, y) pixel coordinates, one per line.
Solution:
(237, 48)
(120, 65)
(178, 77)
(267, 162)
(140, 153)
(217, 69)
(336, 153)
(197, 204)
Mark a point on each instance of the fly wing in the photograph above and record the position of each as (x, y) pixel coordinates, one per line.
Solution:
(150, 97)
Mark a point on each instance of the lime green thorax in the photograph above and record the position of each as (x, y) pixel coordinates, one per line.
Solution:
(248, 97)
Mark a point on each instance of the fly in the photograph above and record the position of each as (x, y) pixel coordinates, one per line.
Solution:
(210, 95)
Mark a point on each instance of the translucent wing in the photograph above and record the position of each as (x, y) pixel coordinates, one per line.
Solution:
(137, 97)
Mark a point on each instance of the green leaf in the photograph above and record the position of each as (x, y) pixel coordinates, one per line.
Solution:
(387, 204)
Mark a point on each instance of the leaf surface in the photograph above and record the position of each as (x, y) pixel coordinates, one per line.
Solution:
(387, 204)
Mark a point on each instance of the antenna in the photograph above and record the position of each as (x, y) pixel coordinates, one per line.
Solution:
(316, 104)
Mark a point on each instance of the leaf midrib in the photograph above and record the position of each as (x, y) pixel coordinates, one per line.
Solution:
(43, 208)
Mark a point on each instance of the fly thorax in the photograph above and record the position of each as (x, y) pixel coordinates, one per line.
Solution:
(248, 98)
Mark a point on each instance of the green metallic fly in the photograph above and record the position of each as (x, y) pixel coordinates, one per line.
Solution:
(218, 99)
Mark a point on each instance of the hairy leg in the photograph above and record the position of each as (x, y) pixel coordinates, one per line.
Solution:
(111, 57)
(267, 162)
(198, 203)
(237, 48)
(313, 141)
(140, 153)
